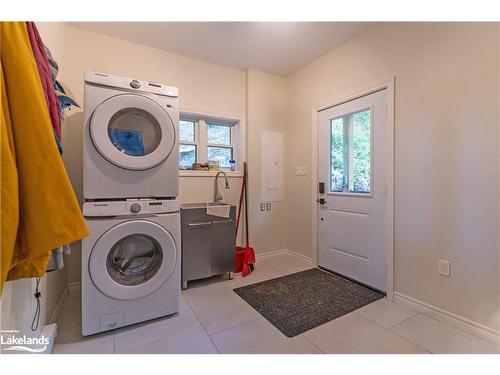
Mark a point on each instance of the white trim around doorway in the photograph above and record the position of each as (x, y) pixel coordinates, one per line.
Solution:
(389, 85)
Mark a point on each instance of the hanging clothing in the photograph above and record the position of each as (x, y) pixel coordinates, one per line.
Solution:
(65, 97)
(56, 259)
(45, 63)
(39, 208)
(54, 66)
(45, 72)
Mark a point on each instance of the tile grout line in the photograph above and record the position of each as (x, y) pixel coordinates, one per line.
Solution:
(394, 333)
(401, 322)
(454, 327)
(411, 342)
(202, 326)
(445, 324)
(236, 326)
(312, 343)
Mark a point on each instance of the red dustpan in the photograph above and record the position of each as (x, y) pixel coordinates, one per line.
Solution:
(249, 253)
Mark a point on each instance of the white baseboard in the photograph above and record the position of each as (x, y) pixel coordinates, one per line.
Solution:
(49, 331)
(457, 321)
(275, 252)
(300, 255)
(74, 288)
(60, 302)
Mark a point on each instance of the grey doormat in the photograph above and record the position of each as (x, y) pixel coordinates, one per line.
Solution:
(304, 300)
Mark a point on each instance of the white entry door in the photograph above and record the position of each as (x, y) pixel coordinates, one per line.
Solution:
(352, 191)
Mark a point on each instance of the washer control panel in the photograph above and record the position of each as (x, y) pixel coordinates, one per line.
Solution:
(130, 207)
(135, 208)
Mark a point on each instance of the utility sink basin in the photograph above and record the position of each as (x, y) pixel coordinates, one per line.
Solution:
(202, 205)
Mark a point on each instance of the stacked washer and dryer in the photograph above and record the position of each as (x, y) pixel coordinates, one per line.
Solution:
(131, 260)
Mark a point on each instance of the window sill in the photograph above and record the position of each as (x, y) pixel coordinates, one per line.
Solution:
(191, 173)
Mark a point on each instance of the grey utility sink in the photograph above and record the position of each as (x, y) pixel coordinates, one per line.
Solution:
(208, 242)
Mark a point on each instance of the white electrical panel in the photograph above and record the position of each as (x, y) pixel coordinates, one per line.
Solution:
(271, 159)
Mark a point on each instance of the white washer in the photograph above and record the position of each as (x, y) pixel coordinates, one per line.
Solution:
(130, 263)
(130, 138)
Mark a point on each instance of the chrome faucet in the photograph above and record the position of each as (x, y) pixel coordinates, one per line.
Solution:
(218, 196)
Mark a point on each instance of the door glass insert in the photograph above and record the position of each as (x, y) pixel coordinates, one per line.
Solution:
(350, 148)
(337, 155)
(134, 131)
(134, 259)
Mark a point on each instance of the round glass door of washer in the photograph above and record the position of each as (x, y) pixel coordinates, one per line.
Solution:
(132, 259)
(132, 131)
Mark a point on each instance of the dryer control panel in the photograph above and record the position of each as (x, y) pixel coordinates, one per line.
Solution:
(130, 207)
(131, 83)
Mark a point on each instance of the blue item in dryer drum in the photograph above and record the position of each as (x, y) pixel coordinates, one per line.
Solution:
(130, 141)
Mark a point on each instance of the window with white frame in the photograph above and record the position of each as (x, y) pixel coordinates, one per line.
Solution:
(207, 139)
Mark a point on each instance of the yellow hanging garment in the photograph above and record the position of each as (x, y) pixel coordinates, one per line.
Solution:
(39, 208)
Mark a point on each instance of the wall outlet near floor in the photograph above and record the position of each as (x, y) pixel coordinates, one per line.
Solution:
(268, 206)
(444, 267)
(262, 206)
(300, 171)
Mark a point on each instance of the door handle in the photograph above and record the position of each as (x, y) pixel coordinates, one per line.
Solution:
(321, 200)
(221, 221)
(200, 224)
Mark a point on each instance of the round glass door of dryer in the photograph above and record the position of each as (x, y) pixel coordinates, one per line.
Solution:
(132, 131)
(132, 259)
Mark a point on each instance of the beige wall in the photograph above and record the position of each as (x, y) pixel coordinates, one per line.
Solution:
(446, 154)
(266, 110)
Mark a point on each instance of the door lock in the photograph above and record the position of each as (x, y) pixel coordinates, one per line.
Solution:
(321, 187)
(321, 200)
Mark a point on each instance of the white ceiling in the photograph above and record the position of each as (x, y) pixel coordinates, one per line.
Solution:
(274, 47)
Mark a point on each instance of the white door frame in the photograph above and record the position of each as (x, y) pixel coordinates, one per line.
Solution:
(389, 86)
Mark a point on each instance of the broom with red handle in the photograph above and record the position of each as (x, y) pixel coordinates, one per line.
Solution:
(249, 253)
(239, 250)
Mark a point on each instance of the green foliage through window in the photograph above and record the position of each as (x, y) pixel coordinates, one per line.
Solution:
(351, 153)
(337, 163)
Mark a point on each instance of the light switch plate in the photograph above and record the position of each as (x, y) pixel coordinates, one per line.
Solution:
(268, 206)
(300, 171)
(262, 206)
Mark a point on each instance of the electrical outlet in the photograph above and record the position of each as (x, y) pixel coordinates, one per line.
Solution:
(444, 267)
(262, 206)
(300, 171)
(268, 206)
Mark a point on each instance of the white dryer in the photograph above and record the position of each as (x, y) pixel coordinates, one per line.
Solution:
(130, 263)
(130, 138)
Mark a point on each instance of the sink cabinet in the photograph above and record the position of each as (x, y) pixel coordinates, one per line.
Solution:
(208, 243)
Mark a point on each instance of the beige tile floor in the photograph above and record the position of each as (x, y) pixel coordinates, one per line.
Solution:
(213, 319)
